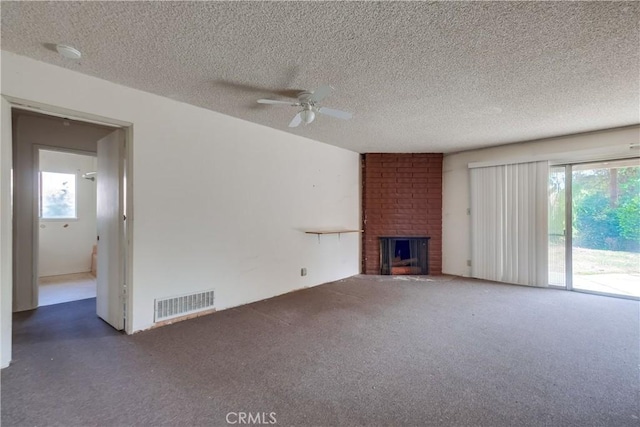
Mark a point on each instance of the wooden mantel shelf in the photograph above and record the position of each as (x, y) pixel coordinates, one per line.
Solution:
(338, 232)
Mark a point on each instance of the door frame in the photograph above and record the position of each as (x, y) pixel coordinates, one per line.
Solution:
(568, 215)
(36, 220)
(127, 243)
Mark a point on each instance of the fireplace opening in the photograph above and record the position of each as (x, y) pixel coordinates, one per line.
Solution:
(404, 255)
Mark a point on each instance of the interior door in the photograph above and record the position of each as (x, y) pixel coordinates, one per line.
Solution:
(110, 216)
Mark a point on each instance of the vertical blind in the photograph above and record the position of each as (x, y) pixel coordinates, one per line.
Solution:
(509, 223)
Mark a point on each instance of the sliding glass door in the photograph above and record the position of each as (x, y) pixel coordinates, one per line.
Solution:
(557, 226)
(594, 227)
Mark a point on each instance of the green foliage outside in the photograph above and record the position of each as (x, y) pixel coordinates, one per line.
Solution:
(629, 219)
(606, 208)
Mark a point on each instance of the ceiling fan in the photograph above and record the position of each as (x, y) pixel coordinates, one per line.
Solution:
(309, 103)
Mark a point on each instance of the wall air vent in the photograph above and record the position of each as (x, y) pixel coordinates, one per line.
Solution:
(169, 308)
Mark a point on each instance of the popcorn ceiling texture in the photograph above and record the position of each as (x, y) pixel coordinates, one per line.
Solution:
(419, 77)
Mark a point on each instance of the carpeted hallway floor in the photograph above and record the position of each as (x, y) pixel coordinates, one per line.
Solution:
(367, 350)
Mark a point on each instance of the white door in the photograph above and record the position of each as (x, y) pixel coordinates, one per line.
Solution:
(110, 264)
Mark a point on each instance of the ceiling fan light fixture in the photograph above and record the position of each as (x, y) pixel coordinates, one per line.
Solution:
(307, 116)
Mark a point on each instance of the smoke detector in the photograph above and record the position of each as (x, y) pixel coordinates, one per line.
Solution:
(68, 52)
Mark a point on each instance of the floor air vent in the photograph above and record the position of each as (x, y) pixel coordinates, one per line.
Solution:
(168, 308)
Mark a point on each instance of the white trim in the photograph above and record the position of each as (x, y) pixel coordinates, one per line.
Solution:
(65, 113)
(623, 151)
(51, 110)
(6, 235)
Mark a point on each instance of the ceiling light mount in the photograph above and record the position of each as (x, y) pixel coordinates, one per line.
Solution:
(68, 52)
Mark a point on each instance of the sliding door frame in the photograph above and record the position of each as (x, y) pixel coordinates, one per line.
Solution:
(568, 170)
(568, 227)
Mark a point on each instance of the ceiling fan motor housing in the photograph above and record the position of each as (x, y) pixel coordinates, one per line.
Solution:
(304, 96)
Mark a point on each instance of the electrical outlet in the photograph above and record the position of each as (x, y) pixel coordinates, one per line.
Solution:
(468, 263)
(303, 271)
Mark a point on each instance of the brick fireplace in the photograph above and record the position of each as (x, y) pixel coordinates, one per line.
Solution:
(402, 197)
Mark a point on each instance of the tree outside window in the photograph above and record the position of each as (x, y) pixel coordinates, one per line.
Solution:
(57, 195)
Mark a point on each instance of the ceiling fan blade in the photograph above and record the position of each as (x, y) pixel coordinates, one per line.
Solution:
(338, 114)
(320, 93)
(276, 102)
(296, 121)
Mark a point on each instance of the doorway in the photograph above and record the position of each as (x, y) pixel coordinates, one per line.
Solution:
(594, 227)
(54, 159)
(67, 246)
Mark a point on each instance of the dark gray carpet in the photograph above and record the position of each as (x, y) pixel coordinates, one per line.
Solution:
(362, 351)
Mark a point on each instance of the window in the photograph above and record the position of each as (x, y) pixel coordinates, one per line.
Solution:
(57, 195)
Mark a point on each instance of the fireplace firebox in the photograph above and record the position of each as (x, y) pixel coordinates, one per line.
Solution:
(404, 255)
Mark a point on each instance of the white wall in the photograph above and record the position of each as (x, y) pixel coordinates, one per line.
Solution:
(218, 202)
(456, 232)
(65, 245)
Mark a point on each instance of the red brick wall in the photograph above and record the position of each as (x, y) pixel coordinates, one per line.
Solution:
(402, 196)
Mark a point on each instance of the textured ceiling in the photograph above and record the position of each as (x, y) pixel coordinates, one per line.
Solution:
(419, 77)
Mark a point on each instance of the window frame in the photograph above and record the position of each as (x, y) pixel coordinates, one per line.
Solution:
(75, 198)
